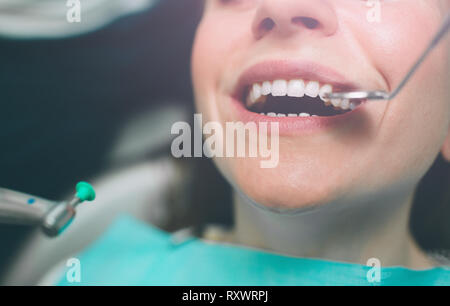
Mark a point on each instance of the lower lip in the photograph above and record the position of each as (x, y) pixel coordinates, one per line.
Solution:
(299, 125)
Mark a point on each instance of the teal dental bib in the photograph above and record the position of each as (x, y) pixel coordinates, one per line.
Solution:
(134, 253)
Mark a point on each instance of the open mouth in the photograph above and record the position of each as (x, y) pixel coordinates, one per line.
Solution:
(295, 98)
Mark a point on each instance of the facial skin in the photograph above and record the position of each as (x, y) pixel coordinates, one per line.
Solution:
(386, 148)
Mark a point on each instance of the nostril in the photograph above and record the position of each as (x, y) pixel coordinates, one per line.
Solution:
(308, 22)
(267, 25)
(264, 27)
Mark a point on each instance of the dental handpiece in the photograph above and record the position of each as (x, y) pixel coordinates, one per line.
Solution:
(53, 217)
(383, 95)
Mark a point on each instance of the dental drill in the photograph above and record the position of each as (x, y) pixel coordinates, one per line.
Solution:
(52, 216)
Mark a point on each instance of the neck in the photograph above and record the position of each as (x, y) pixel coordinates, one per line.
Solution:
(349, 233)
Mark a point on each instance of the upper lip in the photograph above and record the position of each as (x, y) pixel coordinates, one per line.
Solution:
(288, 70)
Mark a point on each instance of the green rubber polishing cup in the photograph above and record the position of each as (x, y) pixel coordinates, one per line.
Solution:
(85, 192)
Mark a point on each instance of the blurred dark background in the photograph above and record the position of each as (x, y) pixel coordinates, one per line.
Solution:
(63, 101)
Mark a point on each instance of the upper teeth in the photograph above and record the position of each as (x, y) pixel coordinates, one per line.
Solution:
(294, 88)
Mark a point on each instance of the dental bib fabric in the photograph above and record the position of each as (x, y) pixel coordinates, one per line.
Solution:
(134, 253)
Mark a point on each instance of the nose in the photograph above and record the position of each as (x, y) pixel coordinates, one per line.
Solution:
(286, 17)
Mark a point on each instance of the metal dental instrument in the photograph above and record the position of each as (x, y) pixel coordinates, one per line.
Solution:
(53, 217)
(383, 95)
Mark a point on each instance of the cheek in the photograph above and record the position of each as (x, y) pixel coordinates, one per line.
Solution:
(415, 121)
(414, 124)
(394, 43)
(201, 57)
(215, 46)
(203, 66)
(214, 57)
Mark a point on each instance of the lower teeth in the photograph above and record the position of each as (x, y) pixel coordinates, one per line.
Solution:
(295, 107)
(288, 115)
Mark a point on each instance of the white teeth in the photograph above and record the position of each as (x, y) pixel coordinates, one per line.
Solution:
(250, 101)
(279, 88)
(345, 104)
(256, 91)
(325, 89)
(255, 95)
(288, 115)
(336, 102)
(296, 88)
(312, 89)
(266, 88)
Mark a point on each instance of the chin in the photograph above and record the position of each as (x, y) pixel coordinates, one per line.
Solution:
(283, 188)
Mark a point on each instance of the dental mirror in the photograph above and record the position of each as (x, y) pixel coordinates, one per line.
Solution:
(383, 95)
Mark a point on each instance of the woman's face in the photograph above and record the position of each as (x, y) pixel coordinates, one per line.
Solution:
(375, 150)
